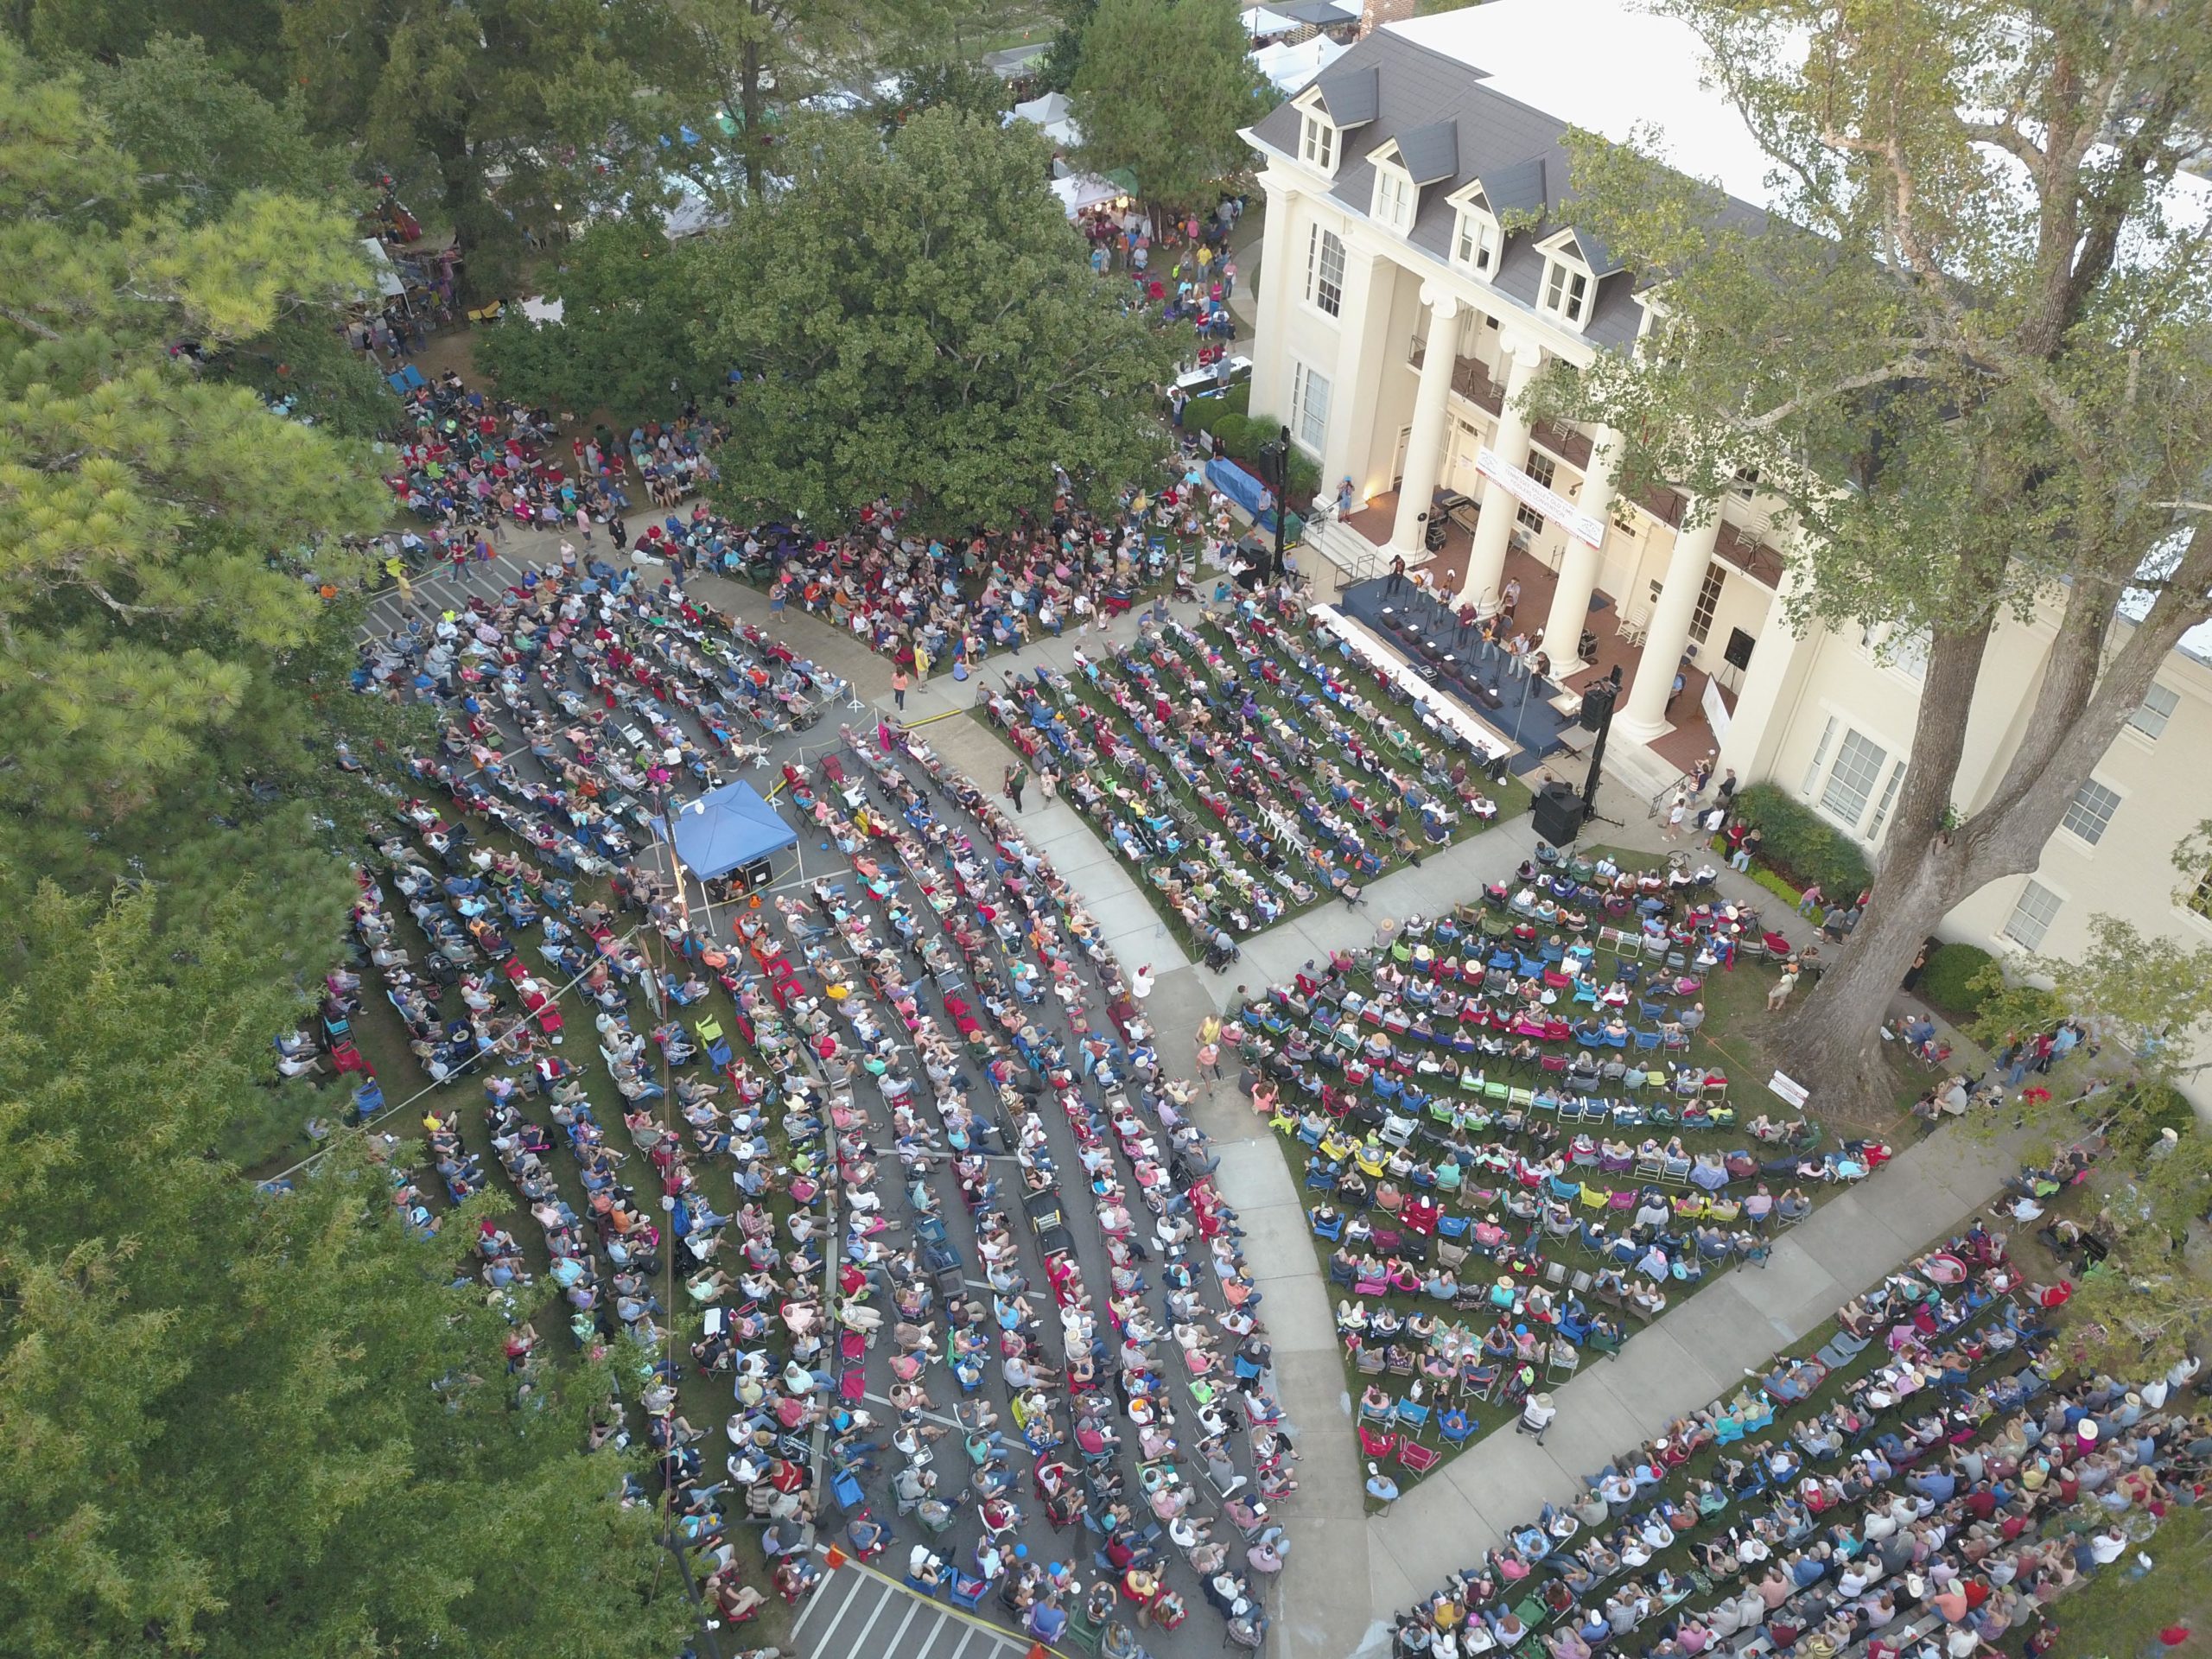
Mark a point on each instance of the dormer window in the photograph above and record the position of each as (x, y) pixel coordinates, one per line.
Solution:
(1317, 145)
(1566, 291)
(1475, 242)
(1394, 198)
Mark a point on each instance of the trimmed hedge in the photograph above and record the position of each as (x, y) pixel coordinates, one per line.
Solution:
(1803, 845)
(1241, 437)
(1947, 980)
(1204, 411)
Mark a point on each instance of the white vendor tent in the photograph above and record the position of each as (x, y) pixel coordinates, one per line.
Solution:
(1290, 67)
(1080, 190)
(388, 282)
(1262, 24)
(1050, 115)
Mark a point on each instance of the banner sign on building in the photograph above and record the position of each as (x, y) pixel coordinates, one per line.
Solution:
(1584, 527)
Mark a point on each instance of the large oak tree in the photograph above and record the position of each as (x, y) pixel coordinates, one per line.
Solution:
(916, 319)
(1973, 353)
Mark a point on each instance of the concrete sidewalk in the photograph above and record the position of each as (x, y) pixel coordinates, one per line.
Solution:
(1696, 1353)
(1348, 1579)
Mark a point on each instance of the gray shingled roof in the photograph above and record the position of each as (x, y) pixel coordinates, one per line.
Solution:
(1431, 152)
(1404, 90)
(1515, 190)
(1349, 94)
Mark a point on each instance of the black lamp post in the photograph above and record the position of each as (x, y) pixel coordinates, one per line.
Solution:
(1275, 457)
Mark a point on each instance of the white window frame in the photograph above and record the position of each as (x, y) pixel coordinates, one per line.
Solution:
(1319, 142)
(2148, 711)
(2087, 820)
(1395, 195)
(1477, 243)
(1902, 653)
(2033, 912)
(1324, 293)
(1813, 772)
(1854, 748)
(1303, 379)
(1880, 821)
(1567, 290)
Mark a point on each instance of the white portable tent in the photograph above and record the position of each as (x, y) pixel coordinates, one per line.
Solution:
(1290, 67)
(1080, 190)
(388, 282)
(1050, 115)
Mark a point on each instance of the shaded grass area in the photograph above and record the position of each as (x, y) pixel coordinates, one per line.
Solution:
(704, 1400)
(1745, 1032)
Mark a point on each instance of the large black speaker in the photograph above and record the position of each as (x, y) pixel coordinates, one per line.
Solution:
(1558, 814)
(1597, 701)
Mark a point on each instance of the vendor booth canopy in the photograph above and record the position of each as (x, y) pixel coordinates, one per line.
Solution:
(728, 828)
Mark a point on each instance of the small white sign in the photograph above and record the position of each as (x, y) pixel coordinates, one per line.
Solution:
(1583, 526)
(1790, 1090)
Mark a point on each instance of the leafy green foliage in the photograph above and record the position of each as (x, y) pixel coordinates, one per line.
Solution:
(944, 84)
(1803, 845)
(625, 330)
(237, 33)
(916, 319)
(244, 1424)
(140, 505)
(1952, 979)
(504, 119)
(202, 136)
(2145, 990)
(1965, 351)
(1056, 70)
(1162, 89)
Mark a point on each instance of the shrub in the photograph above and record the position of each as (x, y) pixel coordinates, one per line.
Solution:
(2147, 1109)
(1949, 979)
(1803, 845)
(1774, 882)
(1204, 411)
(1232, 431)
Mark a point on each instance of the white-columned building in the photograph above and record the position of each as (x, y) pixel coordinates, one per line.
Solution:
(1421, 261)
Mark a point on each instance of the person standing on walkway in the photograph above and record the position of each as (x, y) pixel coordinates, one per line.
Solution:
(898, 684)
(1746, 848)
(1726, 793)
(1677, 811)
(1808, 902)
(1015, 776)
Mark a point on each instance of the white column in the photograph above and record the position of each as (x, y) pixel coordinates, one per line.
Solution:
(1356, 375)
(1643, 716)
(1579, 566)
(1758, 700)
(1425, 449)
(1270, 369)
(1486, 561)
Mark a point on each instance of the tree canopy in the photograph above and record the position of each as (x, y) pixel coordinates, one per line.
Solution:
(1968, 352)
(1162, 89)
(916, 319)
(140, 501)
(625, 332)
(239, 1423)
(506, 118)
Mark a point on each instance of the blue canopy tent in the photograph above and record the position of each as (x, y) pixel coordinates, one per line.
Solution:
(727, 828)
